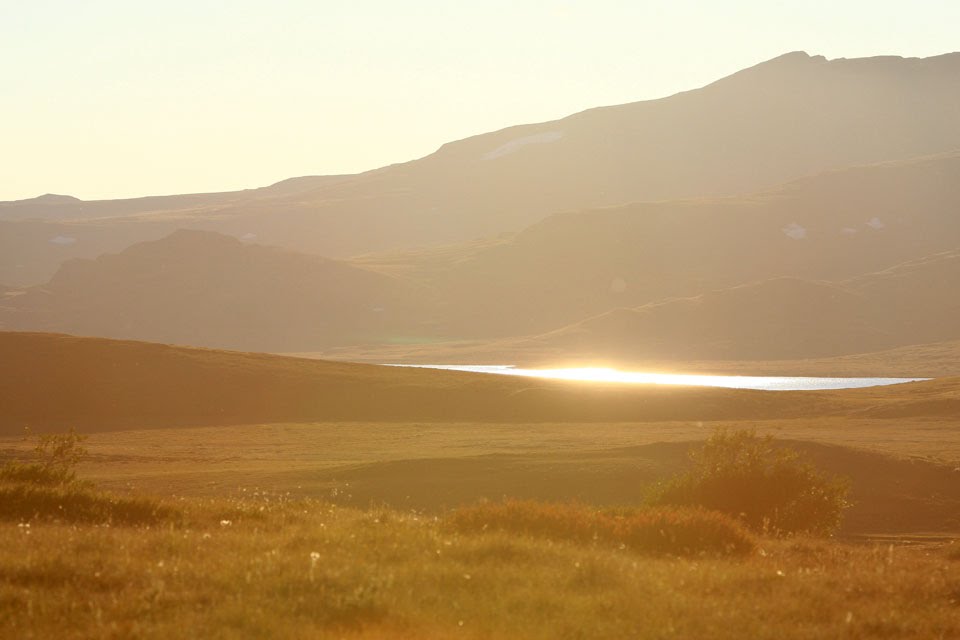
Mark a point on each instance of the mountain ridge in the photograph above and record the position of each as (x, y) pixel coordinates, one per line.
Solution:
(742, 133)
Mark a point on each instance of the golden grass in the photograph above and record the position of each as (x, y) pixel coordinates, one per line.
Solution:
(902, 471)
(74, 503)
(266, 566)
(676, 531)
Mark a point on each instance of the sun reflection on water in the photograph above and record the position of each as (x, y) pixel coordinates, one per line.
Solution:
(608, 375)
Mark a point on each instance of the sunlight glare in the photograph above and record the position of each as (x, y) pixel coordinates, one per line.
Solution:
(608, 375)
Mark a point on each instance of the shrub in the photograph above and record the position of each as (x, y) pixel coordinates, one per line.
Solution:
(46, 488)
(678, 531)
(56, 457)
(76, 503)
(770, 488)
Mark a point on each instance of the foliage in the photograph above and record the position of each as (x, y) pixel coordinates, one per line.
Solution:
(25, 502)
(769, 487)
(677, 531)
(56, 456)
(46, 488)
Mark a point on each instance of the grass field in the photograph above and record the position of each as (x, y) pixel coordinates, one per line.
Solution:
(903, 471)
(318, 527)
(266, 566)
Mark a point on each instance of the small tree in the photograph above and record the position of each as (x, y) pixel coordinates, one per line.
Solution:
(54, 462)
(770, 488)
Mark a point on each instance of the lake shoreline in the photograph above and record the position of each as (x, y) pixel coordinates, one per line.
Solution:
(616, 376)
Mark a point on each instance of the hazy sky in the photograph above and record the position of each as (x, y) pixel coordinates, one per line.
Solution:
(116, 98)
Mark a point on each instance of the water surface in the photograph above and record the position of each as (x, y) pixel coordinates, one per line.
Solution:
(596, 374)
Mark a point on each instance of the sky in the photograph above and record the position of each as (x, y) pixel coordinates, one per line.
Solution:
(123, 98)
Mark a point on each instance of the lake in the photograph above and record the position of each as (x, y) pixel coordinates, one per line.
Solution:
(597, 374)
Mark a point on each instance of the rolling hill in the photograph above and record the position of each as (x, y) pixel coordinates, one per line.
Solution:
(792, 116)
(200, 287)
(55, 381)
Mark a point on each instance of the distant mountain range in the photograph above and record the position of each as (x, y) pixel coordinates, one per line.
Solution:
(846, 262)
(571, 266)
(793, 116)
(648, 231)
(779, 319)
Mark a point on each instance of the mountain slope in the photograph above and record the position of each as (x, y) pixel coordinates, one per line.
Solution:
(792, 116)
(778, 319)
(52, 206)
(833, 226)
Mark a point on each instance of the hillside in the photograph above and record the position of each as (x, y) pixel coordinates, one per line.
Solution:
(776, 319)
(54, 381)
(880, 321)
(783, 318)
(825, 247)
(792, 116)
(52, 206)
(198, 287)
(834, 226)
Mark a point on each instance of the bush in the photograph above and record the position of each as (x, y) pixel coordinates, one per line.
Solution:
(768, 487)
(75, 503)
(46, 488)
(678, 531)
(56, 458)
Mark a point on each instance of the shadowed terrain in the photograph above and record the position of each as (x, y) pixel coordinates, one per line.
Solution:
(54, 381)
(109, 384)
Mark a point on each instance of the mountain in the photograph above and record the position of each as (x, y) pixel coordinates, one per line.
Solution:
(778, 319)
(918, 298)
(53, 381)
(772, 320)
(199, 287)
(40, 234)
(800, 271)
(52, 206)
(785, 318)
(789, 117)
(833, 226)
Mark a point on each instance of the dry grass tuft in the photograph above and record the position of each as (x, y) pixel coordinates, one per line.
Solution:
(670, 530)
(76, 503)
